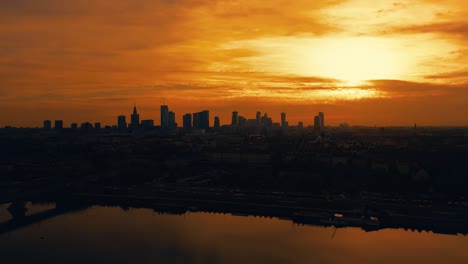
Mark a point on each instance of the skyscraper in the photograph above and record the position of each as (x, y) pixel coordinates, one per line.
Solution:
(135, 119)
(97, 125)
(283, 120)
(164, 116)
(317, 129)
(322, 121)
(201, 120)
(216, 122)
(235, 119)
(187, 121)
(121, 122)
(47, 124)
(172, 122)
(258, 117)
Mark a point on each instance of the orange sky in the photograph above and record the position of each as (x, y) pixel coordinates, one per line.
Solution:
(368, 62)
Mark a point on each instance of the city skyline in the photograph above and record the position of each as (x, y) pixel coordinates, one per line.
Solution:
(365, 62)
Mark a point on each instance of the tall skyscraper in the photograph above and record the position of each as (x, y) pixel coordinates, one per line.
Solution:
(283, 120)
(135, 119)
(187, 121)
(172, 122)
(164, 116)
(47, 124)
(201, 120)
(216, 122)
(235, 119)
(121, 122)
(322, 121)
(317, 128)
(258, 117)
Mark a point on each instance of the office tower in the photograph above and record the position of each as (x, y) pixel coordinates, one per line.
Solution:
(216, 122)
(135, 119)
(242, 121)
(187, 121)
(283, 120)
(201, 120)
(97, 125)
(172, 122)
(322, 121)
(317, 129)
(264, 119)
(300, 124)
(258, 117)
(121, 122)
(74, 126)
(58, 124)
(47, 124)
(147, 124)
(205, 119)
(164, 116)
(235, 119)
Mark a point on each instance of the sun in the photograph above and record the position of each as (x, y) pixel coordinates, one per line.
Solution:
(354, 60)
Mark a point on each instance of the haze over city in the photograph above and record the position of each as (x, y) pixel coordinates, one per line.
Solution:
(360, 61)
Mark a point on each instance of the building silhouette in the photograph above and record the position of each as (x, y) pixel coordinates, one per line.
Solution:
(135, 119)
(164, 116)
(216, 122)
(322, 121)
(283, 120)
(147, 124)
(187, 121)
(58, 124)
(97, 125)
(258, 118)
(172, 118)
(74, 126)
(235, 119)
(201, 120)
(121, 122)
(47, 124)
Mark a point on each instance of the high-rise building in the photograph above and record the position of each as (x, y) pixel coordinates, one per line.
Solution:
(317, 129)
(201, 120)
(235, 119)
(187, 121)
(172, 122)
(135, 119)
(322, 121)
(300, 124)
(258, 117)
(164, 116)
(47, 124)
(58, 124)
(283, 120)
(121, 122)
(216, 122)
(147, 124)
(74, 125)
(242, 122)
(97, 125)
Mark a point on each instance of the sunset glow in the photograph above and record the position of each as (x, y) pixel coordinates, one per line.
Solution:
(365, 59)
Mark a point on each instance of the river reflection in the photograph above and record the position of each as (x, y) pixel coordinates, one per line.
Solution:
(114, 235)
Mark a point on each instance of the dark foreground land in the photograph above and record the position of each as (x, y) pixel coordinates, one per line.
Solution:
(367, 177)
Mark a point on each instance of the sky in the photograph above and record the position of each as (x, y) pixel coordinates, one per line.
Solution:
(363, 62)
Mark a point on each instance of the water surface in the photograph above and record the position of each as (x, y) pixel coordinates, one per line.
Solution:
(114, 235)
